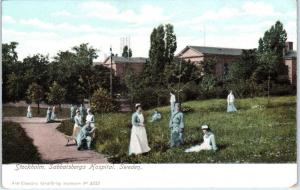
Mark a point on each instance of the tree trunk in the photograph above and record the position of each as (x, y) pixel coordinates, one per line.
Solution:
(269, 77)
(38, 103)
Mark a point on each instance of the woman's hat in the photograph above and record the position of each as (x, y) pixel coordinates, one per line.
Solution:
(137, 105)
(88, 110)
(204, 127)
(77, 111)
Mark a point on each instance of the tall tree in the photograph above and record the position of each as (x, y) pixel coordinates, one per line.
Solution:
(35, 94)
(273, 42)
(171, 44)
(127, 52)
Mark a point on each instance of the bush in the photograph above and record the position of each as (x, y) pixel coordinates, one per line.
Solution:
(282, 89)
(101, 102)
(17, 146)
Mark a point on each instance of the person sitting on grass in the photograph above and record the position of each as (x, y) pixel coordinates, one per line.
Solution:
(85, 135)
(48, 116)
(29, 113)
(209, 142)
(155, 116)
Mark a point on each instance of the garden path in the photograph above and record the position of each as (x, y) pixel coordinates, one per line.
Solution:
(51, 143)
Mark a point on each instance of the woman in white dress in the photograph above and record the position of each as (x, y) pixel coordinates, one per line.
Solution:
(90, 119)
(230, 102)
(77, 124)
(209, 142)
(29, 113)
(138, 139)
(53, 114)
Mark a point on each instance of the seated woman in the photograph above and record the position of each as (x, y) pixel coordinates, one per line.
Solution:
(85, 134)
(155, 116)
(209, 142)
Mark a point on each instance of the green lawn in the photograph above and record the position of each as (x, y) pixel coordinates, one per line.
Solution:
(17, 146)
(252, 135)
(9, 111)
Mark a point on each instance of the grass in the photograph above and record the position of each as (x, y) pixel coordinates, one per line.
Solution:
(17, 146)
(9, 111)
(252, 135)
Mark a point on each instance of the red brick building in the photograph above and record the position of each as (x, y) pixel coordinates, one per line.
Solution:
(290, 60)
(224, 56)
(121, 64)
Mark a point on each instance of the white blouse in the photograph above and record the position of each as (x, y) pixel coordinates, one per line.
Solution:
(230, 98)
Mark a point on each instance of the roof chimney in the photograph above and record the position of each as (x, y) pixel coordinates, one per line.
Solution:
(288, 46)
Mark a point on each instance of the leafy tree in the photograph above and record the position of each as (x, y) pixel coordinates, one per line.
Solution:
(171, 44)
(273, 42)
(35, 94)
(14, 87)
(56, 94)
(84, 54)
(101, 102)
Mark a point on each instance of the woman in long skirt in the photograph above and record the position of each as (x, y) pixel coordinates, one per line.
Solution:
(29, 113)
(53, 114)
(230, 102)
(138, 139)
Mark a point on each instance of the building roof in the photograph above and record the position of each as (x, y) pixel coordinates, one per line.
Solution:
(290, 55)
(213, 50)
(127, 60)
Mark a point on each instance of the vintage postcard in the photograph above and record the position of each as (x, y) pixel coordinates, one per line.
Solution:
(157, 94)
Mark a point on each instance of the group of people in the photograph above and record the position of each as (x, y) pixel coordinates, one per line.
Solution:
(138, 139)
(51, 115)
(83, 132)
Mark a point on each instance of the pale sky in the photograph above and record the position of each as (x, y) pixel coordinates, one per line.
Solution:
(49, 26)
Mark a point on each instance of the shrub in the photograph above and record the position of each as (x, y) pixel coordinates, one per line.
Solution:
(101, 102)
(17, 146)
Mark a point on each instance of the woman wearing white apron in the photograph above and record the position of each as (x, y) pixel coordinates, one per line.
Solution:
(29, 113)
(230, 103)
(90, 119)
(209, 142)
(138, 139)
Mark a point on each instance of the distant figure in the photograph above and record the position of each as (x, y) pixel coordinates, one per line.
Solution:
(172, 102)
(209, 142)
(29, 113)
(90, 119)
(81, 109)
(53, 114)
(155, 116)
(48, 116)
(230, 103)
(72, 109)
(138, 139)
(176, 126)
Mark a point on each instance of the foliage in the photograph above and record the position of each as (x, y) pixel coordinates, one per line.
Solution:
(56, 94)
(17, 146)
(101, 102)
(35, 94)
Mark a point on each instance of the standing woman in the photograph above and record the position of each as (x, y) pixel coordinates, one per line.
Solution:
(230, 103)
(176, 126)
(72, 109)
(138, 139)
(48, 116)
(77, 124)
(53, 114)
(29, 113)
(90, 118)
